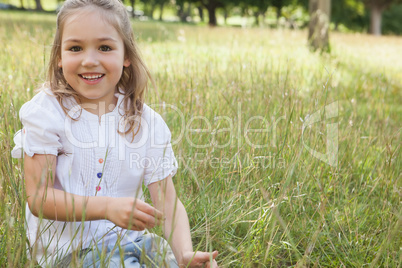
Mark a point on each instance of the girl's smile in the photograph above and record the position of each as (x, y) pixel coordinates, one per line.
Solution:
(92, 57)
(91, 79)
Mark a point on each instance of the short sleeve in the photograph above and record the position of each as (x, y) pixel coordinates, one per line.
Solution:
(40, 132)
(160, 159)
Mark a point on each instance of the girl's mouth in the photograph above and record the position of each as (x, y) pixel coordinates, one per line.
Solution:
(91, 77)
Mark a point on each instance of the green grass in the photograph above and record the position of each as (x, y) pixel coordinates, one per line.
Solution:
(291, 210)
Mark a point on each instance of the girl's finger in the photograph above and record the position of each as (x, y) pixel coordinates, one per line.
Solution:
(146, 208)
(136, 225)
(148, 220)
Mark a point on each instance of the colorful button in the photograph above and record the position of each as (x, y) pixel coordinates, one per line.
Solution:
(98, 188)
(100, 160)
(99, 175)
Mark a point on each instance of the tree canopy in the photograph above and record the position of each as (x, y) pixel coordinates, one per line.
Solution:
(373, 16)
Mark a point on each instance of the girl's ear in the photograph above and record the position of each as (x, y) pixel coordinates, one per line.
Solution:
(59, 64)
(126, 63)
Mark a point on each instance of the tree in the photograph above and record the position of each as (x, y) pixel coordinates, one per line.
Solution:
(211, 6)
(258, 7)
(183, 9)
(150, 6)
(377, 7)
(279, 4)
(200, 12)
(350, 13)
(318, 34)
(161, 4)
(132, 2)
(38, 5)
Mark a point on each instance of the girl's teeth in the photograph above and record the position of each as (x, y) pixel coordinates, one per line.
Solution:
(92, 77)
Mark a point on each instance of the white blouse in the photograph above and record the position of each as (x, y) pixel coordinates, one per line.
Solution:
(92, 159)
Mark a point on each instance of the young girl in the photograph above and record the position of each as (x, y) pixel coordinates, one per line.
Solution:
(90, 143)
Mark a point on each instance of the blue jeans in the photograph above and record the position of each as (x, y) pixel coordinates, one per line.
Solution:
(148, 250)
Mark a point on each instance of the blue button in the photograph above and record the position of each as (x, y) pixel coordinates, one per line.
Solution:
(99, 175)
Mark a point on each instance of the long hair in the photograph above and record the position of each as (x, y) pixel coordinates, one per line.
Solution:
(135, 77)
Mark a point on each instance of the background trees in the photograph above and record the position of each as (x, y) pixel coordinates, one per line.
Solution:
(377, 8)
(260, 8)
(318, 29)
(373, 16)
(38, 5)
(212, 5)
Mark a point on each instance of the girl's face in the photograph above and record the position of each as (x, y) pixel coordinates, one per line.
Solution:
(92, 56)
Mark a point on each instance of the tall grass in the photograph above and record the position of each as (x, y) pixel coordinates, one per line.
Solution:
(274, 206)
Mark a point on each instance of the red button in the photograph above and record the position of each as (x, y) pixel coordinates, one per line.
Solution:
(100, 160)
(98, 188)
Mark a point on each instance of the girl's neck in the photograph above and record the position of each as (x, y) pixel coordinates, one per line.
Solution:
(99, 107)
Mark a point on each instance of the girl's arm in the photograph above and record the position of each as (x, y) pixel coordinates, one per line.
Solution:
(176, 226)
(54, 204)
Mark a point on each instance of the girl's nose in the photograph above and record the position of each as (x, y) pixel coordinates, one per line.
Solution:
(90, 59)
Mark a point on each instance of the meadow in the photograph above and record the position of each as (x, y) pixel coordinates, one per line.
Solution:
(253, 174)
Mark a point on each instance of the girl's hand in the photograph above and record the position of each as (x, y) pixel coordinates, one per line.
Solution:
(132, 213)
(198, 259)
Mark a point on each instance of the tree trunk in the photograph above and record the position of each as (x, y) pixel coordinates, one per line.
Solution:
(278, 4)
(38, 5)
(189, 13)
(212, 15)
(22, 4)
(161, 9)
(132, 8)
(181, 13)
(201, 13)
(151, 12)
(256, 16)
(375, 20)
(225, 15)
(278, 13)
(264, 15)
(318, 34)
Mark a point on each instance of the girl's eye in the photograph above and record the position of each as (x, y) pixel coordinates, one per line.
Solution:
(75, 49)
(105, 48)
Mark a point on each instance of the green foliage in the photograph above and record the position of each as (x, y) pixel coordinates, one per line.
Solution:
(276, 206)
(347, 15)
(392, 20)
(347, 12)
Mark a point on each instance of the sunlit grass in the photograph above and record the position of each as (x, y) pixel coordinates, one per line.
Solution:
(260, 207)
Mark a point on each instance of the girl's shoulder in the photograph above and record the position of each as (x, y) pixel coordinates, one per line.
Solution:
(155, 126)
(43, 123)
(151, 117)
(43, 98)
(43, 112)
(44, 103)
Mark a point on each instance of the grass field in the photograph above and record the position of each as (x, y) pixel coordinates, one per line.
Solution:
(252, 187)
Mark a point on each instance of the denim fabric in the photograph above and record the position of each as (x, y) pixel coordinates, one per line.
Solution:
(146, 251)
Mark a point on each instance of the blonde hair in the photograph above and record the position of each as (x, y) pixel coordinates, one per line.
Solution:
(134, 79)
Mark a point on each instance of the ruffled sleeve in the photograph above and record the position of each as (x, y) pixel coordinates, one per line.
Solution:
(160, 159)
(40, 132)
